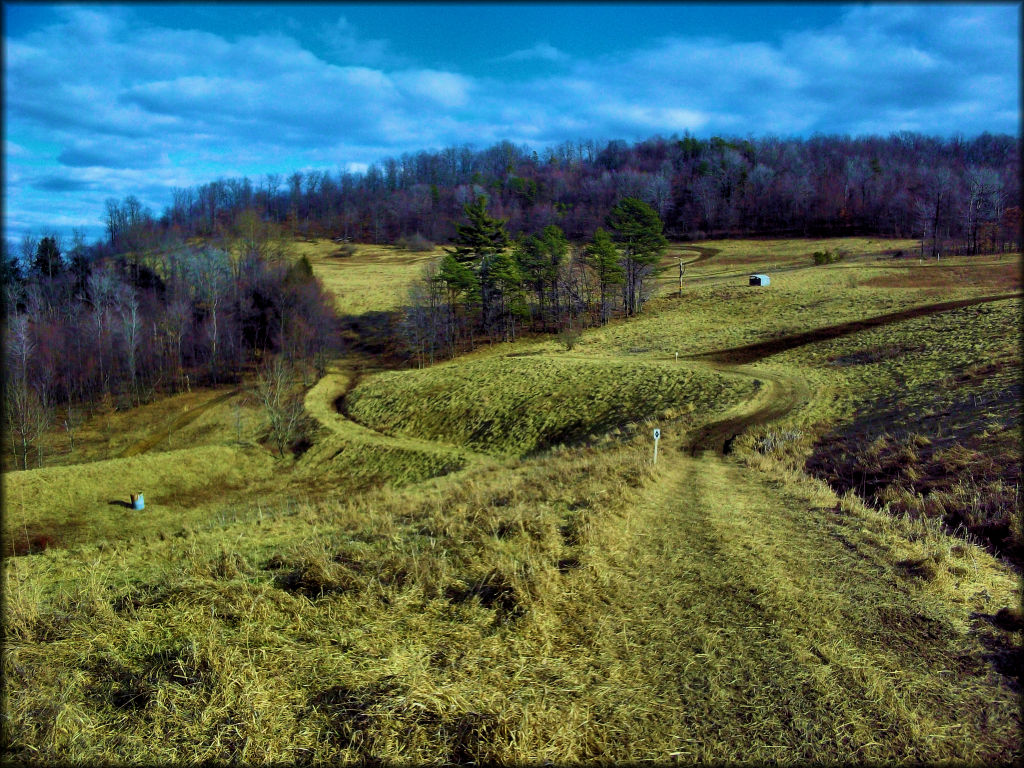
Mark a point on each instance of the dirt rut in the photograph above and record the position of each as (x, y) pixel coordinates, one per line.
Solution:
(784, 393)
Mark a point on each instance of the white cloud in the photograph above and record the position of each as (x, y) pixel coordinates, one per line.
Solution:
(128, 106)
(444, 88)
(538, 52)
(345, 45)
(11, 149)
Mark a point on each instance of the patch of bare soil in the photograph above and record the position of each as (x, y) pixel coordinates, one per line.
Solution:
(782, 395)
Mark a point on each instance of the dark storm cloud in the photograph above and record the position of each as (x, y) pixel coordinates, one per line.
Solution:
(56, 183)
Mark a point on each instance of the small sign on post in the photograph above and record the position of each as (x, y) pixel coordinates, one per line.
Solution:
(657, 437)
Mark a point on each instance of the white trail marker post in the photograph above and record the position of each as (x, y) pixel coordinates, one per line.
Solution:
(657, 437)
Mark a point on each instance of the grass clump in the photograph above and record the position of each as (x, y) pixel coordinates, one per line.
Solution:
(826, 257)
(415, 242)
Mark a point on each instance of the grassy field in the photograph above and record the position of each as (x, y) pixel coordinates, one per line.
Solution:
(926, 419)
(442, 579)
(489, 403)
(202, 416)
(375, 278)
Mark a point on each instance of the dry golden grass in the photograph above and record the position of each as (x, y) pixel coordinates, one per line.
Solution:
(578, 605)
(376, 278)
(203, 416)
(518, 405)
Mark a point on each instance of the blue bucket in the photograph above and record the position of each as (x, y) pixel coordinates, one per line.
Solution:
(137, 501)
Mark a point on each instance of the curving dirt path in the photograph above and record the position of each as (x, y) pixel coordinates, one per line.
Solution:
(778, 395)
(784, 393)
(322, 401)
(703, 253)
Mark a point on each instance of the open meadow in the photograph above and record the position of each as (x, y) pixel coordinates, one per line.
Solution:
(479, 561)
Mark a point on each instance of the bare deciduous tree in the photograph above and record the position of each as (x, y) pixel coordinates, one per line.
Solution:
(278, 390)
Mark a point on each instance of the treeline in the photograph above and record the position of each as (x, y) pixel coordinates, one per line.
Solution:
(85, 328)
(488, 284)
(957, 194)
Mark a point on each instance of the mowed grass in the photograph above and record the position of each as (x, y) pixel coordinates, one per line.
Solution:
(71, 505)
(518, 405)
(770, 253)
(722, 313)
(376, 278)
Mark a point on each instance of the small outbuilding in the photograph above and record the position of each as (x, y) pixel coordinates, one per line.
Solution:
(760, 280)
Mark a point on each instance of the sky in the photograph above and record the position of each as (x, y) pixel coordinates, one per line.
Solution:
(106, 101)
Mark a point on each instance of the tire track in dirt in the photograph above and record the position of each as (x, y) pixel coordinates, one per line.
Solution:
(784, 393)
(324, 402)
(779, 395)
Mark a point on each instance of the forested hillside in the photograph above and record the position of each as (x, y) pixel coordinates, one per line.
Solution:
(955, 193)
(116, 330)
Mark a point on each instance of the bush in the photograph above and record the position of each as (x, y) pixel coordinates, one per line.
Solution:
(415, 242)
(570, 337)
(827, 257)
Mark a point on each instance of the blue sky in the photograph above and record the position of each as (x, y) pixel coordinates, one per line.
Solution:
(109, 100)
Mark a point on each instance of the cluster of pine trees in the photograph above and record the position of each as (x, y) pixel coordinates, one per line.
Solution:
(487, 285)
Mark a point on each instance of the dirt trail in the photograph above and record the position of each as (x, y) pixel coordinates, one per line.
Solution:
(746, 621)
(703, 253)
(321, 403)
(778, 395)
(784, 393)
(180, 422)
(750, 353)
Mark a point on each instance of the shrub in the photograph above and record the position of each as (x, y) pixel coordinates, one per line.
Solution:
(414, 242)
(827, 257)
(570, 337)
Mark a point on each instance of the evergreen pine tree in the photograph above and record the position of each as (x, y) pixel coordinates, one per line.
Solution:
(603, 257)
(637, 228)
